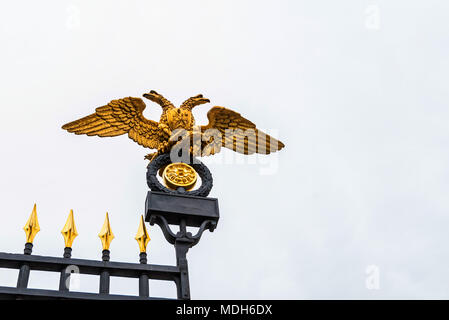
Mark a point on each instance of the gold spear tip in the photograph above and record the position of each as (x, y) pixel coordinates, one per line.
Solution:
(106, 234)
(31, 227)
(142, 236)
(69, 231)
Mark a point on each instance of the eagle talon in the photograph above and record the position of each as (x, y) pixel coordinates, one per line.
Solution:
(151, 156)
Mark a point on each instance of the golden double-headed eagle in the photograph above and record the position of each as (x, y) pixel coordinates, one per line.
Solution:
(226, 128)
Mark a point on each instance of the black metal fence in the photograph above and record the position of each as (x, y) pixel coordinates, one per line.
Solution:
(162, 209)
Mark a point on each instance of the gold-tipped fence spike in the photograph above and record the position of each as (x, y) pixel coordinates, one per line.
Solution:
(106, 234)
(69, 231)
(142, 236)
(32, 226)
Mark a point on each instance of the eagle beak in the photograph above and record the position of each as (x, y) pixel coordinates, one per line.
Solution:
(152, 95)
(201, 100)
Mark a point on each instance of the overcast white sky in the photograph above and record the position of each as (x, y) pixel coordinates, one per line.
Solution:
(357, 91)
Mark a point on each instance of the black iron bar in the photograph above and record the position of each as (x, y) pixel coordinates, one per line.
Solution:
(104, 275)
(64, 279)
(16, 293)
(104, 282)
(94, 267)
(181, 249)
(144, 289)
(24, 270)
(182, 245)
(24, 275)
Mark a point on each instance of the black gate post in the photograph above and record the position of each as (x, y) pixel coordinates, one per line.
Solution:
(181, 261)
(182, 245)
(164, 209)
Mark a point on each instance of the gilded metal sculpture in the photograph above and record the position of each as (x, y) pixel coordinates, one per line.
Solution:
(226, 128)
(69, 231)
(32, 227)
(142, 236)
(179, 175)
(106, 234)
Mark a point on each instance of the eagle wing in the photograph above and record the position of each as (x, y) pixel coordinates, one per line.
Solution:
(119, 117)
(236, 133)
